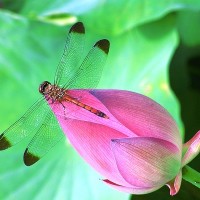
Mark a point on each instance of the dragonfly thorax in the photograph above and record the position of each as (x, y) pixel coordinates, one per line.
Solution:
(51, 91)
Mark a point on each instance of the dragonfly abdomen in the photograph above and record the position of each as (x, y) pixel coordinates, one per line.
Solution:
(88, 108)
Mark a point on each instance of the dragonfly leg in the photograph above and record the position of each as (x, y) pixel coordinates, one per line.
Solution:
(64, 110)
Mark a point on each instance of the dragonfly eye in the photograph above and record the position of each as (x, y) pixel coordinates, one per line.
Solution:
(43, 88)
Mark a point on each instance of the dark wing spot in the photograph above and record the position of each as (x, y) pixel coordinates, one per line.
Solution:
(29, 158)
(77, 28)
(4, 143)
(104, 45)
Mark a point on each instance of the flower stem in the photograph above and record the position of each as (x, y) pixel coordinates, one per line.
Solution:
(191, 176)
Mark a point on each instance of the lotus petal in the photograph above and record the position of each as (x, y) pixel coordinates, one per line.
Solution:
(132, 190)
(146, 162)
(140, 114)
(191, 149)
(175, 184)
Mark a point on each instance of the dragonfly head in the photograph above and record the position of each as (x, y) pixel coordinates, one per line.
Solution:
(45, 87)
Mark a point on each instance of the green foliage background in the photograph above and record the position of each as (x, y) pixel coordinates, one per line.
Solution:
(151, 43)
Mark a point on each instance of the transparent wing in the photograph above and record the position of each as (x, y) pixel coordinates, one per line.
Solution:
(72, 55)
(27, 125)
(89, 73)
(48, 135)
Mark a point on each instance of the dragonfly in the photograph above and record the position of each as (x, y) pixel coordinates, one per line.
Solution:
(39, 121)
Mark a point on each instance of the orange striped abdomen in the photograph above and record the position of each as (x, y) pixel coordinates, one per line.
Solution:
(88, 108)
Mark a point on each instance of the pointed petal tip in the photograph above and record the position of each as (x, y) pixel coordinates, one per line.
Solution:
(109, 182)
(4, 143)
(77, 28)
(175, 184)
(29, 158)
(172, 190)
(104, 45)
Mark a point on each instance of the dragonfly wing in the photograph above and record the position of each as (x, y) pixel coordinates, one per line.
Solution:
(72, 55)
(27, 125)
(89, 72)
(48, 135)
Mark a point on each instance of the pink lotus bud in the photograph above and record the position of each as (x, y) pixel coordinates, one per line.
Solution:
(137, 147)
